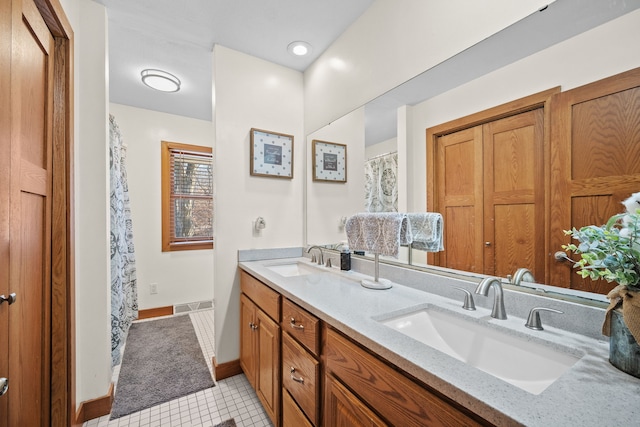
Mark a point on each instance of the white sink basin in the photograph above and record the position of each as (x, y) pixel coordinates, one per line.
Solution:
(530, 366)
(293, 269)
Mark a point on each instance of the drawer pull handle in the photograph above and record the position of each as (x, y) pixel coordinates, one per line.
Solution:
(293, 377)
(294, 326)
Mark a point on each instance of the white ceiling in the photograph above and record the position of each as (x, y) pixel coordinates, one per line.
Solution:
(178, 36)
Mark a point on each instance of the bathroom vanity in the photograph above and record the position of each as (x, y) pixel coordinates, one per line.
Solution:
(340, 353)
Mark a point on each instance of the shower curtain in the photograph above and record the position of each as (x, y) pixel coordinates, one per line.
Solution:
(124, 293)
(381, 183)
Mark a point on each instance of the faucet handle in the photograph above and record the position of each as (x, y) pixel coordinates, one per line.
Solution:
(328, 262)
(468, 300)
(534, 322)
(313, 257)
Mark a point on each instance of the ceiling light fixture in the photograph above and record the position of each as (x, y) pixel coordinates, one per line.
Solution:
(160, 80)
(299, 48)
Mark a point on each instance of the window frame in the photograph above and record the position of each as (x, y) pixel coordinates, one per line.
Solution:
(169, 245)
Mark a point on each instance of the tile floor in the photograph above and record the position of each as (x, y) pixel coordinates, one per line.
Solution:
(230, 398)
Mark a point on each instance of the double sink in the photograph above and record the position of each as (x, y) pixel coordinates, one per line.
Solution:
(505, 354)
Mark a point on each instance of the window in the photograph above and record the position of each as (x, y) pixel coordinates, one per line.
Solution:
(187, 197)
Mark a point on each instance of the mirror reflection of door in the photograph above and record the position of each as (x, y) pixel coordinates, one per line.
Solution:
(490, 190)
(595, 162)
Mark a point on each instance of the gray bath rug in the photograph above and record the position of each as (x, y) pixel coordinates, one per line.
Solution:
(162, 361)
(228, 423)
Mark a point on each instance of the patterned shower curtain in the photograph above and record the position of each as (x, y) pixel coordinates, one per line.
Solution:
(124, 292)
(381, 183)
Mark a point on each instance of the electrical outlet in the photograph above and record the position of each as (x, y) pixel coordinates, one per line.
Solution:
(153, 288)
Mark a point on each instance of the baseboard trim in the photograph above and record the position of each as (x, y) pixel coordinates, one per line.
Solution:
(95, 408)
(155, 312)
(226, 370)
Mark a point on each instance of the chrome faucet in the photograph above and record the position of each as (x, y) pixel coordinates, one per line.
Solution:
(320, 259)
(522, 275)
(534, 322)
(498, 311)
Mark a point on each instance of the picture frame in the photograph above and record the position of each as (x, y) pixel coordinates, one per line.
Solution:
(271, 154)
(329, 160)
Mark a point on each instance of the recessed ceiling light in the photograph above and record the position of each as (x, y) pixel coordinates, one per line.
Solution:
(299, 48)
(160, 80)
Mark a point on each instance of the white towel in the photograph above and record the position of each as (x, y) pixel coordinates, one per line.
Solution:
(426, 228)
(380, 233)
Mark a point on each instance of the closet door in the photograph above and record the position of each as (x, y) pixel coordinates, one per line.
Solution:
(595, 162)
(459, 172)
(514, 216)
(489, 186)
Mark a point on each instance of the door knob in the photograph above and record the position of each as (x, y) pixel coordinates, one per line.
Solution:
(10, 299)
(4, 385)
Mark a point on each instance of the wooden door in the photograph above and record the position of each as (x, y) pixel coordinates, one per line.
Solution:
(514, 216)
(490, 190)
(28, 326)
(459, 172)
(344, 409)
(268, 367)
(248, 353)
(595, 162)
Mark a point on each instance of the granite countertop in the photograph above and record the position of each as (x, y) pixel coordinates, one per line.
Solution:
(591, 393)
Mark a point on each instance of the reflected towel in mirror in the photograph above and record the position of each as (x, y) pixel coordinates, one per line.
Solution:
(426, 228)
(380, 233)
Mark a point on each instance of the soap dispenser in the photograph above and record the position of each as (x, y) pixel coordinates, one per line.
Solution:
(345, 258)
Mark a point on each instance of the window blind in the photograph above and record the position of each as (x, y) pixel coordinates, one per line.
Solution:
(191, 197)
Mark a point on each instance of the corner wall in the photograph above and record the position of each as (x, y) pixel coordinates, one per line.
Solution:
(92, 277)
(181, 276)
(251, 93)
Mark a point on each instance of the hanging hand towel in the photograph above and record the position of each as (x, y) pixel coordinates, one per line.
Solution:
(426, 228)
(379, 233)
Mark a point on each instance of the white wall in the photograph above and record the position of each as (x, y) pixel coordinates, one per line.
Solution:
(328, 202)
(395, 40)
(251, 93)
(93, 345)
(182, 276)
(601, 52)
(381, 148)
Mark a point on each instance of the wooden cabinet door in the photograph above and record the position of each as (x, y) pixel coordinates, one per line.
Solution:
(595, 162)
(514, 214)
(459, 198)
(268, 367)
(248, 353)
(344, 409)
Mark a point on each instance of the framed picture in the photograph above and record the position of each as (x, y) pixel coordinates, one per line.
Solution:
(329, 161)
(271, 154)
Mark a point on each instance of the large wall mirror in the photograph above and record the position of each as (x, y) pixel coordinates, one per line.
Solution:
(567, 45)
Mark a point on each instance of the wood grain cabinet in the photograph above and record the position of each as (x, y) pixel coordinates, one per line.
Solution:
(260, 342)
(300, 364)
(395, 398)
(307, 374)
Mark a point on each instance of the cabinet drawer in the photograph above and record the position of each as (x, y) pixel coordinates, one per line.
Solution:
(292, 416)
(400, 400)
(301, 325)
(264, 297)
(301, 377)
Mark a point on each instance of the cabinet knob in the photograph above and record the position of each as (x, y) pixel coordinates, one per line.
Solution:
(294, 325)
(253, 326)
(487, 244)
